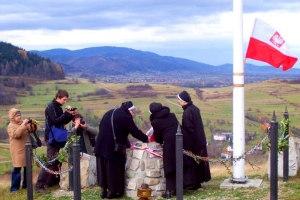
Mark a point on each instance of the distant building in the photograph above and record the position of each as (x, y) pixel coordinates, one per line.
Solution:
(226, 155)
(219, 137)
(267, 124)
(228, 135)
(229, 149)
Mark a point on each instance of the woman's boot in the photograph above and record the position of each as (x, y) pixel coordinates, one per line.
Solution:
(103, 193)
(167, 194)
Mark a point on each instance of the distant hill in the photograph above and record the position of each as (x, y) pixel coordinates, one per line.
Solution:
(109, 60)
(119, 60)
(19, 68)
(15, 61)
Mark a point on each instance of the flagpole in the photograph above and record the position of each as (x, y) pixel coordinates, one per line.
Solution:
(238, 95)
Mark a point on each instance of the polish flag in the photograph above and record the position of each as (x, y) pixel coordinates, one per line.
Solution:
(267, 45)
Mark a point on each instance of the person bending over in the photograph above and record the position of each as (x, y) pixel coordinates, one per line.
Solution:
(114, 128)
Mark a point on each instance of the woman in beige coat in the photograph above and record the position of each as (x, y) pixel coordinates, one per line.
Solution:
(18, 132)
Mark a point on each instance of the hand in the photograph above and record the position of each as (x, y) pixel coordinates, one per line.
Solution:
(68, 107)
(25, 122)
(77, 123)
(71, 110)
(84, 126)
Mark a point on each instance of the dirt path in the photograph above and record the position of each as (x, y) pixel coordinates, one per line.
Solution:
(5, 161)
(174, 104)
(105, 88)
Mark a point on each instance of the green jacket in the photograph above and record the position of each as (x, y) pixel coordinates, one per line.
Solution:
(87, 133)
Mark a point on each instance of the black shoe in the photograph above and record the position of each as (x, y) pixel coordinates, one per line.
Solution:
(103, 195)
(167, 194)
(194, 187)
(114, 195)
(173, 192)
(42, 191)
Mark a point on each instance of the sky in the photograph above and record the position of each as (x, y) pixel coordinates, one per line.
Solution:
(199, 30)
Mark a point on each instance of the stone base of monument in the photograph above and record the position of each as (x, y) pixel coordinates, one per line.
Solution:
(88, 172)
(294, 158)
(144, 167)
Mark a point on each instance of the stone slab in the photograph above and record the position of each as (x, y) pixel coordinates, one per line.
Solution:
(294, 158)
(227, 184)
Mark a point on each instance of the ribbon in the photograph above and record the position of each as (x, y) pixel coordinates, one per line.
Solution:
(152, 151)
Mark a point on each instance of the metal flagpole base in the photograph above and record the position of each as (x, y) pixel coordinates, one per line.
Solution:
(239, 180)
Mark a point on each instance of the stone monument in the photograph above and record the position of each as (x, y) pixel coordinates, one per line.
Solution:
(143, 166)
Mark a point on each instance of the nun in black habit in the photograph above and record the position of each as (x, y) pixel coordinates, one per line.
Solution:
(165, 125)
(193, 125)
(111, 164)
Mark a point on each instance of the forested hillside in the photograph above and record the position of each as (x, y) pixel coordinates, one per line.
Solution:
(15, 61)
(19, 69)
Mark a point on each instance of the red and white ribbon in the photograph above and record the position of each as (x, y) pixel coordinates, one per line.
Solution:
(152, 151)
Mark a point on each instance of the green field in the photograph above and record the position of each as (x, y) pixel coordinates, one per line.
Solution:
(5, 159)
(261, 99)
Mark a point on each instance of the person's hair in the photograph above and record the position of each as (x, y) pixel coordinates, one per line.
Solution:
(77, 116)
(61, 93)
(17, 113)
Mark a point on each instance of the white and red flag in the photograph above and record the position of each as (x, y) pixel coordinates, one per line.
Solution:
(267, 45)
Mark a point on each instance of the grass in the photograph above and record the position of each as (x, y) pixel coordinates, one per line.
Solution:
(5, 159)
(210, 190)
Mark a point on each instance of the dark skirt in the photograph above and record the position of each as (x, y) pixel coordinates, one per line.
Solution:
(111, 174)
(203, 170)
(189, 178)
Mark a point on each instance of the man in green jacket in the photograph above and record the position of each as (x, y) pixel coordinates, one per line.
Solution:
(86, 133)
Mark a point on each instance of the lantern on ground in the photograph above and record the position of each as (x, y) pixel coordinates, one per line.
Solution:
(144, 192)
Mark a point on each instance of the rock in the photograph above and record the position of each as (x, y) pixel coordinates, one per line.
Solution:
(144, 167)
(88, 172)
(294, 158)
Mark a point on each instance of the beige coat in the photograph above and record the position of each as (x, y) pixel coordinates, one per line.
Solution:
(18, 135)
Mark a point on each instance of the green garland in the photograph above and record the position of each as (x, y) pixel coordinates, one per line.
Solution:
(283, 142)
(63, 152)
